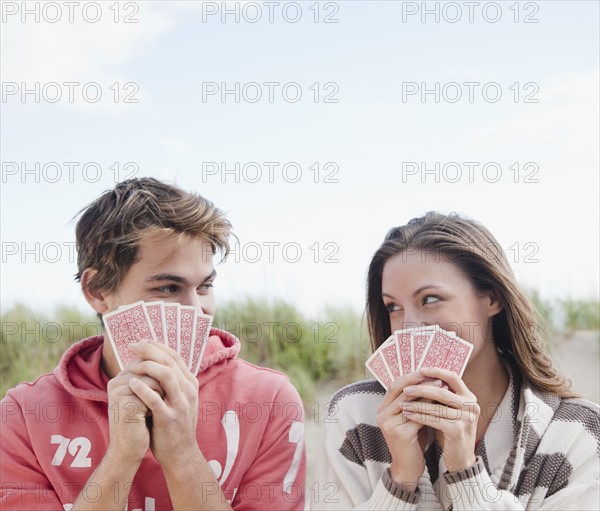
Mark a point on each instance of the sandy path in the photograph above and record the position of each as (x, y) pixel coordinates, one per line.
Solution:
(579, 357)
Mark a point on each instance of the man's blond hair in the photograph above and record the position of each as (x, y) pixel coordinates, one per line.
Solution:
(112, 227)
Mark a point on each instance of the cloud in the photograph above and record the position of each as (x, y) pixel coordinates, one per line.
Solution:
(81, 51)
(566, 117)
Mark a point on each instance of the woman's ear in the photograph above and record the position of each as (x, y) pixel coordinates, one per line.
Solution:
(494, 303)
(96, 299)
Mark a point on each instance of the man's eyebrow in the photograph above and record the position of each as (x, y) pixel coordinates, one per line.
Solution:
(176, 278)
(167, 276)
(212, 275)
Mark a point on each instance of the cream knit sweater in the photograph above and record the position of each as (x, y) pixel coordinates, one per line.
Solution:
(539, 452)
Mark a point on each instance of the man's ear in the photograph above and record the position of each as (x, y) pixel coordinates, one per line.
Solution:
(96, 299)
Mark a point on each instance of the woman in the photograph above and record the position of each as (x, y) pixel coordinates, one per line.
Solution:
(509, 435)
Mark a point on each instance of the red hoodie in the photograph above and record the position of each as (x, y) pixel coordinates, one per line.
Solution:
(250, 429)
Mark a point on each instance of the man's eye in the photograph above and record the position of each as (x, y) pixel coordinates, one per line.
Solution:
(167, 289)
(430, 299)
(207, 285)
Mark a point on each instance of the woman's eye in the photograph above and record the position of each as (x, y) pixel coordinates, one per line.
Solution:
(207, 285)
(392, 307)
(430, 299)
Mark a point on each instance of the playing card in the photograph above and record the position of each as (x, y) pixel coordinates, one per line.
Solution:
(203, 324)
(172, 317)
(390, 356)
(432, 329)
(458, 356)
(418, 341)
(438, 327)
(404, 350)
(125, 326)
(376, 365)
(435, 351)
(446, 352)
(187, 331)
(156, 313)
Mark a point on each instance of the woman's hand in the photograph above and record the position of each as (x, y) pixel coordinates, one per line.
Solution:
(401, 435)
(453, 412)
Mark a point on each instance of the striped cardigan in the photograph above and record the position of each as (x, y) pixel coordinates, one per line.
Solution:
(539, 452)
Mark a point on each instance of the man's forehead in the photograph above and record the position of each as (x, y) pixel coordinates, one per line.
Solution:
(162, 236)
(175, 251)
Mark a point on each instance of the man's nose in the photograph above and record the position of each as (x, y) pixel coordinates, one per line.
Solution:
(192, 299)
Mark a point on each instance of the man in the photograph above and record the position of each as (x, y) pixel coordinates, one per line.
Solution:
(152, 436)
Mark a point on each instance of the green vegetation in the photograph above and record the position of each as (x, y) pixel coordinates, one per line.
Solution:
(31, 344)
(311, 350)
(581, 314)
(567, 315)
(308, 350)
(332, 347)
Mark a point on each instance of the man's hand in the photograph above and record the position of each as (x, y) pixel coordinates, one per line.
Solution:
(175, 415)
(129, 435)
(174, 419)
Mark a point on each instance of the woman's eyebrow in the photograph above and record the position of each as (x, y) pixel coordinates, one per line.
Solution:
(427, 286)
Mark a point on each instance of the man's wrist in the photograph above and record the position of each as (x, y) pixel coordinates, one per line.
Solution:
(120, 462)
(193, 466)
(188, 462)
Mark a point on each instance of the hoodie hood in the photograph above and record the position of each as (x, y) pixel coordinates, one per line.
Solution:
(80, 370)
(221, 348)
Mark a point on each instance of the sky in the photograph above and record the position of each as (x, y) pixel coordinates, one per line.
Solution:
(317, 126)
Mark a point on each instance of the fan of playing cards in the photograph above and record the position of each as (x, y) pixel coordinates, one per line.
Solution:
(408, 350)
(183, 328)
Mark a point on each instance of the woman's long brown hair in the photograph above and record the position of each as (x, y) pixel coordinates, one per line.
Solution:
(517, 329)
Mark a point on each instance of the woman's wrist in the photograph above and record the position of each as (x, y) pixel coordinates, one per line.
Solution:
(403, 479)
(456, 465)
(408, 493)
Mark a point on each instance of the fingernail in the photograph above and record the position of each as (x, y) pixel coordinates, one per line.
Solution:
(409, 390)
(437, 383)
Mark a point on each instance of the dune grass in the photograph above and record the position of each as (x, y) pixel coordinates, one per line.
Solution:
(310, 350)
